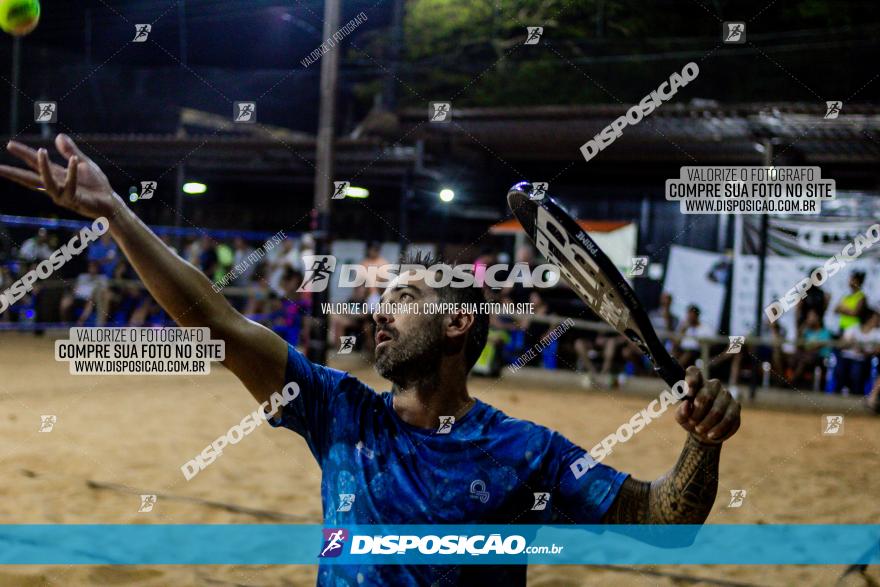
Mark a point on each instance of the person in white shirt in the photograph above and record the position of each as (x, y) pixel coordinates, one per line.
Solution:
(89, 291)
(36, 248)
(689, 333)
(860, 342)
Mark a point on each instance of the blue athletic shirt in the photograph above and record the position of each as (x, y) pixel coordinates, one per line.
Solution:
(486, 470)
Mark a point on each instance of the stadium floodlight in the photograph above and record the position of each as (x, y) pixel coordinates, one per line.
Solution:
(357, 192)
(194, 188)
(447, 195)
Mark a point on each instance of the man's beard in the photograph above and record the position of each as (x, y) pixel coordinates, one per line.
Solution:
(412, 356)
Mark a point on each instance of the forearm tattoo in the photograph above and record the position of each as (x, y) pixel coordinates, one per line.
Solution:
(683, 496)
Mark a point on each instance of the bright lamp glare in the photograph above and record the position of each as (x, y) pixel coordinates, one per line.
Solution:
(356, 192)
(194, 187)
(447, 195)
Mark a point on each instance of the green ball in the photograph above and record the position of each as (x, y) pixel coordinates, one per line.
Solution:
(19, 17)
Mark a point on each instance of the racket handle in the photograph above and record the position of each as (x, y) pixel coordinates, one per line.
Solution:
(671, 372)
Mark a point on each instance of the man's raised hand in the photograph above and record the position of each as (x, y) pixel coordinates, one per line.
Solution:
(82, 187)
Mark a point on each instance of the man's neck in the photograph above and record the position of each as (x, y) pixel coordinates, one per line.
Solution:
(424, 401)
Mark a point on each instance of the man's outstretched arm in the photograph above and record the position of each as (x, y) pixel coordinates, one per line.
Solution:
(255, 354)
(686, 493)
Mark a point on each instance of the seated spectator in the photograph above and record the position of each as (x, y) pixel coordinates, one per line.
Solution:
(289, 318)
(687, 344)
(89, 291)
(105, 254)
(860, 342)
(664, 321)
(812, 355)
(662, 317)
(36, 248)
(536, 330)
(239, 257)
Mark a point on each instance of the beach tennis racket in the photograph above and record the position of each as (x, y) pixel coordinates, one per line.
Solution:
(590, 273)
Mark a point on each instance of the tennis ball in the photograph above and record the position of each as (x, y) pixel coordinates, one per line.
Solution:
(19, 17)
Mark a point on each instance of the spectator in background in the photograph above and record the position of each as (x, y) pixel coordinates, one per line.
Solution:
(687, 348)
(241, 252)
(852, 305)
(192, 250)
(816, 300)
(224, 256)
(208, 256)
(89, 291)
(285, 259)
(36, 248)
(662, 318)
(535, 330)
(860, 340)
(105, 254)
(812, 353)
(518, 292)
(306, 248)
(289, 317)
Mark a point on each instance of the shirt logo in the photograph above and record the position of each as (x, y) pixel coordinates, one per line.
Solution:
(478, 491)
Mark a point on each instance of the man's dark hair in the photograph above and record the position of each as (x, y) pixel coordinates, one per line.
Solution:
(479, 332)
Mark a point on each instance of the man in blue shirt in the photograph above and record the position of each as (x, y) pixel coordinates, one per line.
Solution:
(385, 457)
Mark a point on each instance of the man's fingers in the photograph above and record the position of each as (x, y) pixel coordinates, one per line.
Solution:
(46, 172)
(70, 180)
(683, 416)
(704, 400)
(719, 405)
(23, 152)
(694, 379)
(728, 425)
(28, 179)
(68, 148)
